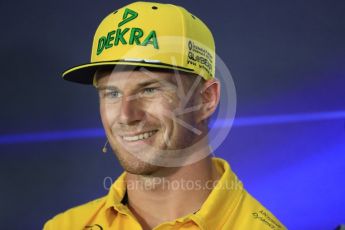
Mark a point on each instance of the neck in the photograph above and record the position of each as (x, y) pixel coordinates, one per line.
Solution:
(170, 193)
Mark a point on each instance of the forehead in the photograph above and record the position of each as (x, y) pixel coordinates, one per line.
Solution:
(139, 76)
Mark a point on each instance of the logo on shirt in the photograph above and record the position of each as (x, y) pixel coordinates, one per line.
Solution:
(266, 219)
(94, 227)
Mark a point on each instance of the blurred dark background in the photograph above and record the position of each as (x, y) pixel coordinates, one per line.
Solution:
(287, 144)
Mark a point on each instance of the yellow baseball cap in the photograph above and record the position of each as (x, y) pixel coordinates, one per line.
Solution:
(150, 34)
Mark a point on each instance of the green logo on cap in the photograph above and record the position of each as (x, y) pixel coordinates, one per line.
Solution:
(129, 15)
(115, 37)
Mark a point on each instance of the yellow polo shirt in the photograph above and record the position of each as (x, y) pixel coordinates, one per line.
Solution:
(228, 206)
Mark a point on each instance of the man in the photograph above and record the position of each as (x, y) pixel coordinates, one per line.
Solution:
(153, 66)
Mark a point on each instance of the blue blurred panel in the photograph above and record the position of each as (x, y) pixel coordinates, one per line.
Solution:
(51, 136)
(308, 194)
(296, 170)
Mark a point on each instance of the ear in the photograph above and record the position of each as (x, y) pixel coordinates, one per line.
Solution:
(210, 96)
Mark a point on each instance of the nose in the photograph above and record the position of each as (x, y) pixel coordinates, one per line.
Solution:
(131, 111)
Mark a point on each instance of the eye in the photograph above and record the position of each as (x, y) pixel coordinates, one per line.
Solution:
(111, 94)
(149, 91)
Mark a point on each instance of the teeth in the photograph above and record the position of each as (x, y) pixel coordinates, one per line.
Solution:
(141, 136)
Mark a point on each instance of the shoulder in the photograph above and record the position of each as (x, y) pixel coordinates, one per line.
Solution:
(76, 216)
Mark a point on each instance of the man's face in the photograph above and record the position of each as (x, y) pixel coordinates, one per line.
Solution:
(145, 115)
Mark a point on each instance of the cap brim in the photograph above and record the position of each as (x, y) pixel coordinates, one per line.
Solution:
(84, 73)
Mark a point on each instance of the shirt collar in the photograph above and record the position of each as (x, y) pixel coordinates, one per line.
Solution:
(219, 204)
(116, 193)
(224, 196)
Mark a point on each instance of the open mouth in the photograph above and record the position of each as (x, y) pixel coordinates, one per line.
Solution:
(139, 137)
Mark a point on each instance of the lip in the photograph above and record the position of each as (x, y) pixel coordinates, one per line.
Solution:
(136, 133)
(147, 141)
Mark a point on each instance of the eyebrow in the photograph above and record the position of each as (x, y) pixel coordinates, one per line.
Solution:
(103, 87)
(140, 85)
(162, 81)
(149, 82)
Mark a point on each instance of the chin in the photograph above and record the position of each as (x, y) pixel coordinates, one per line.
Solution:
(133, 165)
(141, 171)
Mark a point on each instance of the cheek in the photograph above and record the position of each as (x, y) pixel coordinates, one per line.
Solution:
(160, 111)
(161, 106)
(108, 114)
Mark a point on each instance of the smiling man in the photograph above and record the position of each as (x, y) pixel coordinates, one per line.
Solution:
(153, 66)
(144, 115)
